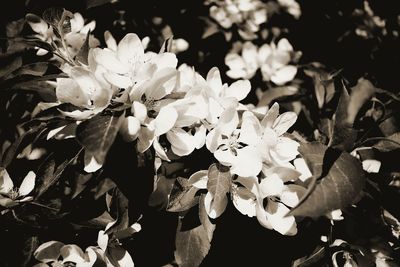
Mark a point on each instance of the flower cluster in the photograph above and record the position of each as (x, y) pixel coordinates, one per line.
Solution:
(274, 61)
(108, 251)
(248, 15)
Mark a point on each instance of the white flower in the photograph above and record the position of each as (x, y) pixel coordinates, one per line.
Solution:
(292, 7)
(245, 65)
(274, 62)
(235, 147)
(127, 64)
(11, 196)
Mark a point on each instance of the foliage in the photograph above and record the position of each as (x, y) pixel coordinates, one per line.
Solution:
(124, 121)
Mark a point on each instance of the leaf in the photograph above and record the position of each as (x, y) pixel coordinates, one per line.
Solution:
(98, 133)
(183, 196)
(343, 134)
(218, 185)
(389, 143)
(192, 245)
(360, 94)
(34, 69)
(122, 221)
(59, 18)
(275, 93)
(166, 46)
(316, 256)
(341, 180)
(83, 53)
(159, 196)
(18, 144)
(51, 174)
(103, 187)
(9, 64)
(80, 183)
(94, 3)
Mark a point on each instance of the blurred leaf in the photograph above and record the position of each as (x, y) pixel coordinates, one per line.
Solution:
(97, 134)
(94, 3)
(192, 245)
(34, 69)
(275, 93)
(218, 185)
(389, 143)
(183, 196)
(103, 187)
(9, 65)
(341, 179)
(317, 255)
(210, 29)
(166, 46)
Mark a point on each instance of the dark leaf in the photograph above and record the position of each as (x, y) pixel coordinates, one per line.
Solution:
(339, 179)
(52, 174)
(103, 187)
(183, 196)
(192, 245)
(311, 260)
(94, 3)
(159, 197)
(10, 64)
(18, 144)
(343, 134)
(122, 204)
(97, 134)
(34, 69)
(80, 183)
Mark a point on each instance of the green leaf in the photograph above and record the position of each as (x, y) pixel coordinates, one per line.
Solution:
(275, 93)
(98, 133)
(337, 181)
(218, 185)
(183, 196)
(192, 245)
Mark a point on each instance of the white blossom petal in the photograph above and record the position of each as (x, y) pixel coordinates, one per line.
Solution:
(27, 184)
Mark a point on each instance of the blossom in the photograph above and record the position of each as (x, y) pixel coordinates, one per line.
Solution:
(248, 15)
(58, 254)
(128, 65)
(292, 7)
(273, 60)
(235, 147)
(78, 34)
(11, 196)
(277, 190)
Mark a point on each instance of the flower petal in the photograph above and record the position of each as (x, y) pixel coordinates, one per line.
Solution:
(165, 120)
(239, 89)
(139, 111)
(276, 216)
(250, 129)
(214, 81)
(130, 49)
(6, 184)
(284, 75)
(271, 116)
(72, 253)
(271, 185)
(27, 184)
(110, 41)
(284, 122)
(182, 143)
(109, 60)
(48, 252)
(244, 201)
(247, 163)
